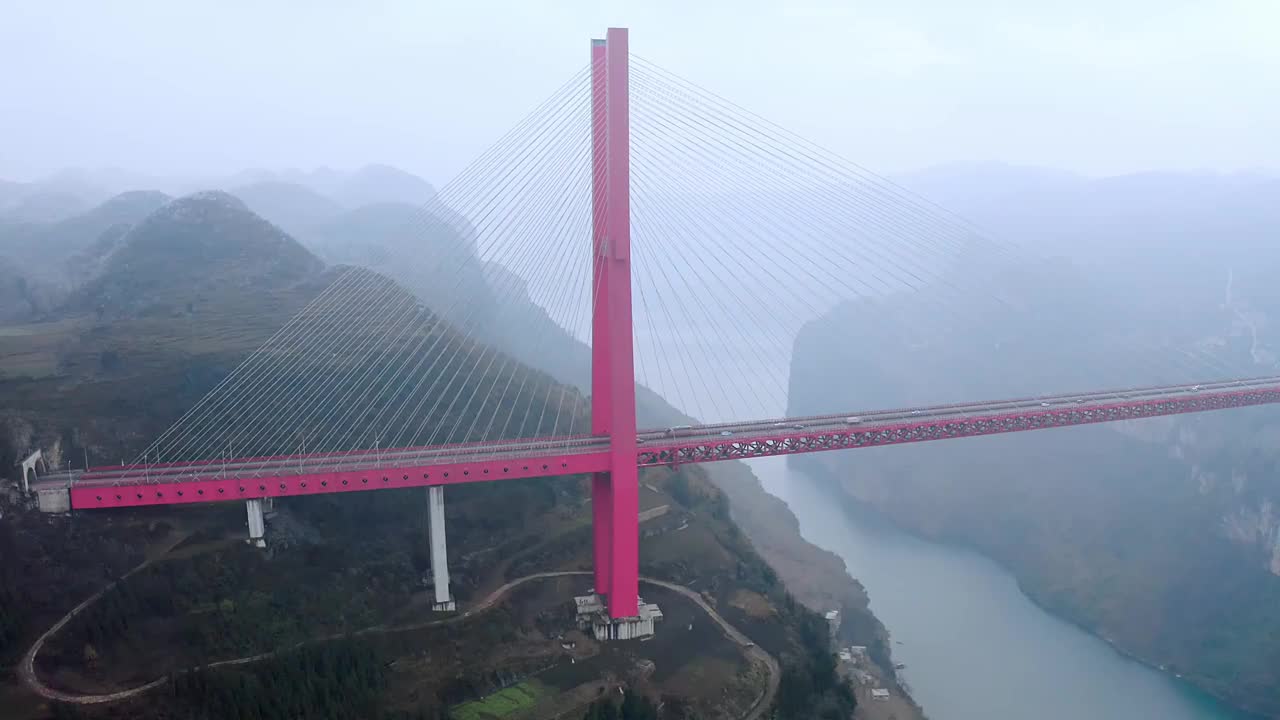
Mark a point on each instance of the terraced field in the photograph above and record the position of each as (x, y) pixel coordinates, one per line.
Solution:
(504, 703)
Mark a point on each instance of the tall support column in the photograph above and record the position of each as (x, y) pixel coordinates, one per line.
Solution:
(601, 528)
(257, 526)
(601, 495)
(624, 502)
(439, 552)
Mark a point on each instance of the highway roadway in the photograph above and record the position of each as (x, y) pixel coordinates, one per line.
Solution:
(656, 446)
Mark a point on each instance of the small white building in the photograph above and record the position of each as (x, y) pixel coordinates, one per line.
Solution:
(879, 694)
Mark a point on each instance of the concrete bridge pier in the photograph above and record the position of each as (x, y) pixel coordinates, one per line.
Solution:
(257, 525)
(439, 552)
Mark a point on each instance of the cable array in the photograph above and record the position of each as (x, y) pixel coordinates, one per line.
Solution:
(747, 233)
(367, 363)
(744, 236)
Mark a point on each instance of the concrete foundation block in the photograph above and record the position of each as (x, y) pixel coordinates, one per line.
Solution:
(53, 500)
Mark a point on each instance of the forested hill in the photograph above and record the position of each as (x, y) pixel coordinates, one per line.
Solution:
(179, 300)
(41, 261)
(1161, 534)
(192, 251)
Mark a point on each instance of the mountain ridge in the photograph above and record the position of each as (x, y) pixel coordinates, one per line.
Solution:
(1159, 535)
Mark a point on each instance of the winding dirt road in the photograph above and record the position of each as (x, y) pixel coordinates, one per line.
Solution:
(28, 673)
(765, 701)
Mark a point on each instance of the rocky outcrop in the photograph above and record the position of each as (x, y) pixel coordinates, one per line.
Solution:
(1275, 554)
(1253, 526)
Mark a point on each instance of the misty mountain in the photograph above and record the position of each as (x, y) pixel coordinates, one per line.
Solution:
(961, 187)
(1169, 242)
(191, 249)
(1117, 221)
(19, 238)
(44, 207)
(22, 297)
(294, 207)
(107, 225)
(62, 194)
(381, 232)
(322, 179)
(81, 232)
(371, 184)
(103, 182)
(428, 252)
(380, 184)
(74, 190)
(47, 245)
(43, 261)
(193, 288)
(1160, 535)
(20, 294)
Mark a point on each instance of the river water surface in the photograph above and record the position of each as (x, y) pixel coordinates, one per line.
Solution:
(975, 647)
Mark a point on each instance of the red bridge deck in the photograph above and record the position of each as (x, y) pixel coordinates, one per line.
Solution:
(290, 475)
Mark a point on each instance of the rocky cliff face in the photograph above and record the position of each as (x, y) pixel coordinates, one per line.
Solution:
(1226, 462)
(1169, 549)
(1255, 526)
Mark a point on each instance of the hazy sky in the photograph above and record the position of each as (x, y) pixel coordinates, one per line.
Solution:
(1097, 86)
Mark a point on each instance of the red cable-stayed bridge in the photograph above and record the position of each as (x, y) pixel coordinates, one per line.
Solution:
(322, 473)
(614, 449)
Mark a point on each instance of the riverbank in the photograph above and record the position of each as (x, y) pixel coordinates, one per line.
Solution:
(853, 505)
(974, 644)
(817, 577)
